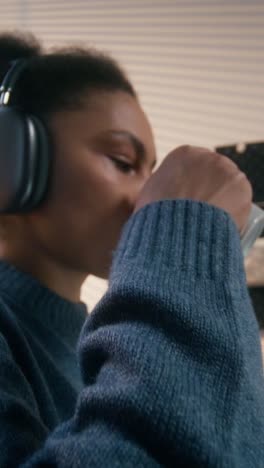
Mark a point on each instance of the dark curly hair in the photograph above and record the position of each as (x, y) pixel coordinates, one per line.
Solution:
(58, 79)
(17, 46)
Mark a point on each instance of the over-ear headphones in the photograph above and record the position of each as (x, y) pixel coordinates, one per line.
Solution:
(24, 152)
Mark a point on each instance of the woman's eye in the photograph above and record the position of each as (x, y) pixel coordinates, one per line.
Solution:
(125, 167)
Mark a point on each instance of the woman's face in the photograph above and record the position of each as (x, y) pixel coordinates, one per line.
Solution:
(103, 155)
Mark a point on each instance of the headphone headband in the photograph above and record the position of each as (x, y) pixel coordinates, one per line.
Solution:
(10, 80)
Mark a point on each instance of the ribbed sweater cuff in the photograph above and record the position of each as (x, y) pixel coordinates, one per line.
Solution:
(176, 238)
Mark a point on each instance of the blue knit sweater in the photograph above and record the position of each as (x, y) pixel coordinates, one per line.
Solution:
(170, 357)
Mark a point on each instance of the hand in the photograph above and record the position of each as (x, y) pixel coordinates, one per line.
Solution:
(203, 175)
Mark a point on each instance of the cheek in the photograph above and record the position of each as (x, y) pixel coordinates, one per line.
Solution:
(80, 191)
(85, 209)
(90, 185)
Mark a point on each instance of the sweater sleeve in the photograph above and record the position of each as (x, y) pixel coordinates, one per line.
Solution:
(170, 356)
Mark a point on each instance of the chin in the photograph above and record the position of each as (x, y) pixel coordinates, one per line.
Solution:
(103, 272)
(101, 266)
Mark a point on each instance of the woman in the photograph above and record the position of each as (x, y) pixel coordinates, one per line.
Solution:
(164, 382)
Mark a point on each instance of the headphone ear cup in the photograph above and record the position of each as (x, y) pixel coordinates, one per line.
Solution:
(24, 152)
(24, 161)
(14, 160)
(39, 148)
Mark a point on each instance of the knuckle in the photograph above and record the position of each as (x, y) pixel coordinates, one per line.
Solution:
(249, 187)
(184, 148)
(245, 184)
(242, 176)
(227, 164)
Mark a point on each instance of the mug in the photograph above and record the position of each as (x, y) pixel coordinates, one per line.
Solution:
(253, 228)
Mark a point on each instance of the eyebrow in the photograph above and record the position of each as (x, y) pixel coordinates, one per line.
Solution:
(138, 146)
